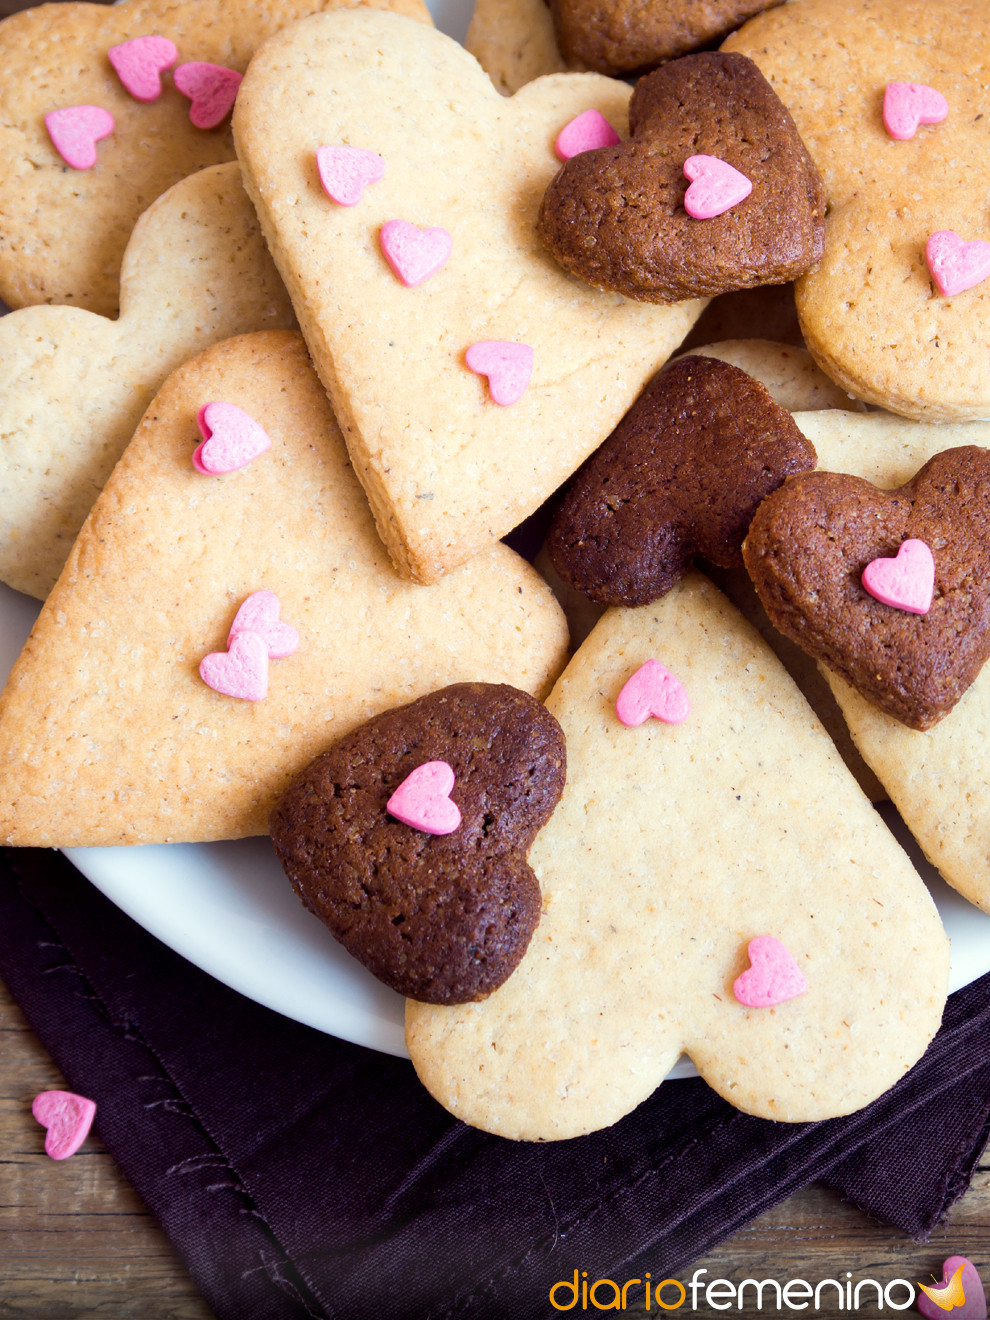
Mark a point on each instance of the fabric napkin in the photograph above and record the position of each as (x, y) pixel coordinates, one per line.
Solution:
(302, 1176)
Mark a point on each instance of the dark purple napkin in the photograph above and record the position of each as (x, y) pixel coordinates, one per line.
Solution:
(300, 1176)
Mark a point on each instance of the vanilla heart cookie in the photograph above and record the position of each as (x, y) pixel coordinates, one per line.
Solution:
(109, 696)
(74, 385)
(835, 564)
(450, 455)
(681, 475)
(937, 779)
(872, 312)
(673, 848)
(423, 876)
(616, 217)
(63, 230)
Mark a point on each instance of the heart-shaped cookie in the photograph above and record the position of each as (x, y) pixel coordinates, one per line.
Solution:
(444, 469)
(444, 916)
(108, 697)
(64, 232)
(867, 310)
(74, 385)
(672, 847)
(811, 541)
(623, 37)
(681, 475)
(616, 216)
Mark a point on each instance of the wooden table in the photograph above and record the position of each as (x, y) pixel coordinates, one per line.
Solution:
(76, 1243)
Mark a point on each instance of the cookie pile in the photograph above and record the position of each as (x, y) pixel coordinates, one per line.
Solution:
(278, 597)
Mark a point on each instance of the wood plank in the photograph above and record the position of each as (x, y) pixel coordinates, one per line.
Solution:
(76, 1242)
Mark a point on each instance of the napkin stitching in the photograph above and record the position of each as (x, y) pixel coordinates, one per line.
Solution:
(586, 1215)
(272, 1266)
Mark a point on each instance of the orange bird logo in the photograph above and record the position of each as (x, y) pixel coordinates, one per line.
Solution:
(951, 1295)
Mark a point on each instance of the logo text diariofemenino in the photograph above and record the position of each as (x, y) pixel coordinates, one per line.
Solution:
(829, 1295)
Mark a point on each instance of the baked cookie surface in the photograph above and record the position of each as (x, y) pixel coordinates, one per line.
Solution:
(870, 313)
(446, 468)
(108, 732)
(74, 384)
(63, 231)
(672, 847)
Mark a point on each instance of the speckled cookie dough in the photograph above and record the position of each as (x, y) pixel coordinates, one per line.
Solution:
(74, 385)
(870, 313)
(109, 735)
(63, 231)
(446, 468)
(672, 848)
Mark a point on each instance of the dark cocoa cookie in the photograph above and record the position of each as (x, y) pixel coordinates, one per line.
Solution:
(623, 37)
(439, 918)
(616, 218)
(810, 543)
(681, 475)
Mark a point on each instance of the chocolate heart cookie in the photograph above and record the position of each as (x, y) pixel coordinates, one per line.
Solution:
(622, 37)
(810, 543)
(681, 475)
(616, 218)
(442, 918)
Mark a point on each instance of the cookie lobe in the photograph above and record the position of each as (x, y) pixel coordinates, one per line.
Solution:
(681, 475)
(440, 918)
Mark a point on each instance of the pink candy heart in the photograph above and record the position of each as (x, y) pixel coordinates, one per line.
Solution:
(68, 1118)
(907, 582)
(585, 133)
(75, 132)
(140, 63)
(231, 439)
(259, 615)
(954, 264)
(975, 1305)
(772, 978)
(414, 254)
(345, 172)
(507, 365)
(652, 690)
(241, 671)
(212, 88)
(906, 105)
(716, 187)
(422, 800)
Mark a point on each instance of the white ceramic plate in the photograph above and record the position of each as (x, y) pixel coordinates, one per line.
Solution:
(228, 908)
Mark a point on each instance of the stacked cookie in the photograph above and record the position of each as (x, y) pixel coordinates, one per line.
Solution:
(298, 553)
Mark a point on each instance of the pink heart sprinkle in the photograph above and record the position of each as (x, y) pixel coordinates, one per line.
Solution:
(954, 264)
(716, 187)
(68, 1118)
(231, 439)
(212, 88)
(414, 254)
(652, 690)
(75, 132)
(906, 105)
(241, 671)
(139, 64)
(585, 133)
(907, 582)
(507, 365)
(773, 975)
(975, 1305)
(422, 800)
(345, 172)
(259, 614)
